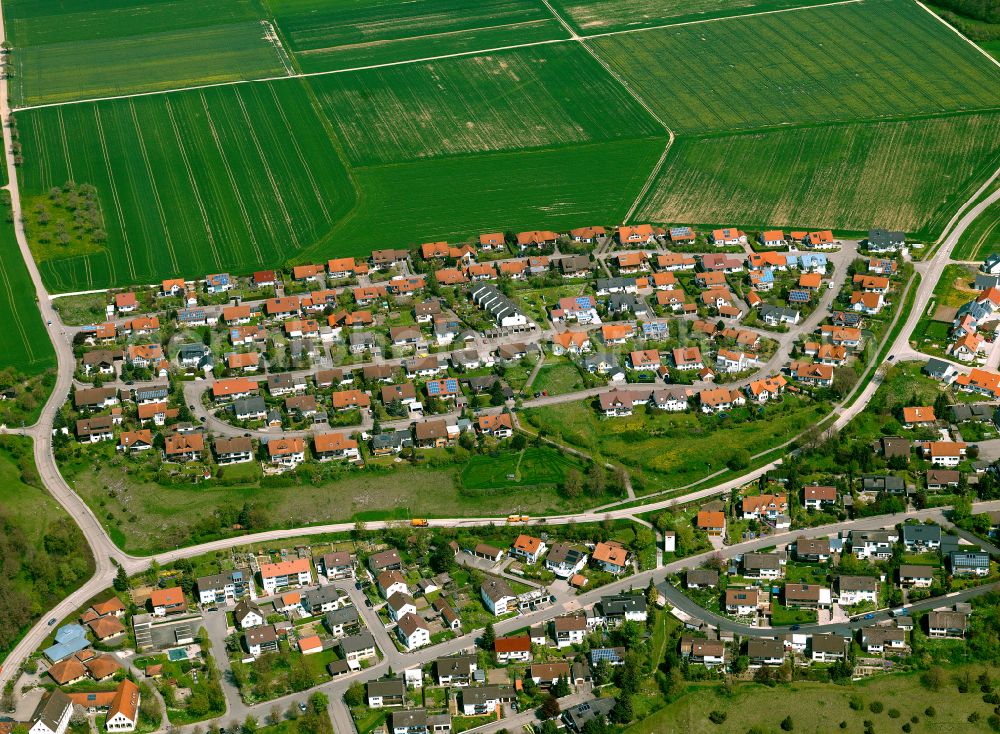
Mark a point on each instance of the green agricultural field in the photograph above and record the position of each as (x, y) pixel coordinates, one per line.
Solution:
(909, 175)
(531, 468)
(355, 33)
(982, 237)
(513, 100)
(227, 178)
(593, 17)
(27, 347)
(878, 58)
(82, 49)
(671, 449)
(456, 198)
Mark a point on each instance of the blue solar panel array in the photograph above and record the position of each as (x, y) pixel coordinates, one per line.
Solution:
(450, 386)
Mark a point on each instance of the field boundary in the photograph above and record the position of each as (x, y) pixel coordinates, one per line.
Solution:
(959, 33)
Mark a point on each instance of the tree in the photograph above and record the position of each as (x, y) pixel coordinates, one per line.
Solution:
(573, 483)
(561, 687)
(355, 695)
(442, 558)
(250, 724)
(121, 579)
(740, 459)
(652, 594)
(844, 380)
(489, 637)
(550, 708)
(623, 712)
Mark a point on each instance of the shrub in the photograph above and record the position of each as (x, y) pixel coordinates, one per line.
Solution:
(994, 722)
(907, 727)
(876, 707)
(856, 703)
(717, 717)
(930, 711)
(974, 717)
(915, 719)
(894, 713)
(843, 724)
(786, 724)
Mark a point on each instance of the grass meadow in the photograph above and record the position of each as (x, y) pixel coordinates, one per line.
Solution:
(227, 178)
(982, 237)
(908, 175)
(322, 35)
(671, 450)
(80, 49)
(876, 58)
(820, 707)
(538, 97)
(534, 467)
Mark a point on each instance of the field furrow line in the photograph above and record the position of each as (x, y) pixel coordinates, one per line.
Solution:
(114, 192)
(14, 313)
(649, 181)
(65, 145)
(90, 271)
(267, 170)
(152, 182)
(298, 152)
(232, 179)
(194, 185)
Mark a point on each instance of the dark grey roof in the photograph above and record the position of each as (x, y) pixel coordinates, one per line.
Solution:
(243, 608)
(344, 615)
(577, 716)
(620, 604)
(51, 709)
(921, 533)
(356, 643)
(390, 687)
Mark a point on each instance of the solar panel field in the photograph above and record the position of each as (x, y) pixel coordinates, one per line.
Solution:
(323, 35)
(80, 49)
(886, 117)
(910, 173)
(874, 60)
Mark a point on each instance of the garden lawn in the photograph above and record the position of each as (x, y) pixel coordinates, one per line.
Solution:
(953, 290)
(671, 449)
(880, 58)
(838, 176)
(558, 379)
